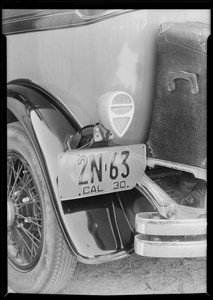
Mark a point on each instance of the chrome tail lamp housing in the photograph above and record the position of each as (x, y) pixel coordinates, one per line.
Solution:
(116, 110)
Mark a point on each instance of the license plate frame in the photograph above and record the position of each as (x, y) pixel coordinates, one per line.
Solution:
(96, 171)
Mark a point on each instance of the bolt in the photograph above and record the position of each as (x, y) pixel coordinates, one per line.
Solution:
(170, 214)
(16, 193)
(26, 199)
(94, 227)
(194, 91)
(170, 88)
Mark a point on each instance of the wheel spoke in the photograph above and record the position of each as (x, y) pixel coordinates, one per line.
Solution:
(33, 218)
(25, 181)
(31, 201)
(30, 235)
(39, 231)
(25, 233)
(31, 221)
(24, 186)
(33, 248)
(9, 179)
(24, 243)
(16, 176)
(11, 174)
(37, 206)
(20, 205)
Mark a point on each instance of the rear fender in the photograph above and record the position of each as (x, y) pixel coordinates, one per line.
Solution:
(97, 229)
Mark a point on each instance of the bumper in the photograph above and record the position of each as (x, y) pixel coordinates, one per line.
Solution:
(161, 237)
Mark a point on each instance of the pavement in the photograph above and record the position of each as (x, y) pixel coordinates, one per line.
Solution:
(139, 275)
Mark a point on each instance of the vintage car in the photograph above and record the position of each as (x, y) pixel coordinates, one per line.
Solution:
(106, 139)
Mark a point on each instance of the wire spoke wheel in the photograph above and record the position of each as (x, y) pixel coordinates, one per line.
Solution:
(39, 260)
(25, 235)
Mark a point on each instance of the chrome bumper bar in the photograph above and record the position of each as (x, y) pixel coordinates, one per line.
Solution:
(161, 237)
(169, 249)
(155, 224)
(174, 230)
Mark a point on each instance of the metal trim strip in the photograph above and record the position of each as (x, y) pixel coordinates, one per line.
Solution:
(50, 19)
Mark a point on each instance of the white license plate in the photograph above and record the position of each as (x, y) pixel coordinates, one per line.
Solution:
(90, 172)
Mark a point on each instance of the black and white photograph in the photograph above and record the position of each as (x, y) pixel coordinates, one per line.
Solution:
(106, 150)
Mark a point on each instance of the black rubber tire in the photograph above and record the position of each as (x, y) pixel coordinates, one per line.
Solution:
(56, 263)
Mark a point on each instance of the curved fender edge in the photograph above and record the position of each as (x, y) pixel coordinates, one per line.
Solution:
(97, 229)
(47, 125)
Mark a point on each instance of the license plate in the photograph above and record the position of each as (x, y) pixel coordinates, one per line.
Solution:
(90, 172)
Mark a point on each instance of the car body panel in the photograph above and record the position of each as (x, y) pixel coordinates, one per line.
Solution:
(81, 63)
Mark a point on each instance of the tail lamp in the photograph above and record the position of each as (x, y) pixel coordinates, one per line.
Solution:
(115, 110)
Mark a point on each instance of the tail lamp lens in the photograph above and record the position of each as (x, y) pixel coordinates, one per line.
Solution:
(115, 111)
